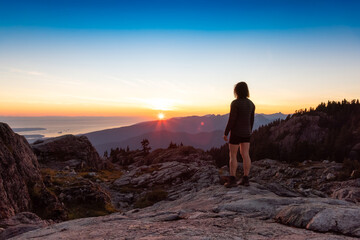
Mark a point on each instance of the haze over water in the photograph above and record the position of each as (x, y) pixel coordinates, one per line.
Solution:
(37, 127)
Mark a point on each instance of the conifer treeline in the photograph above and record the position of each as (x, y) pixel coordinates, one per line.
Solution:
(341, 121)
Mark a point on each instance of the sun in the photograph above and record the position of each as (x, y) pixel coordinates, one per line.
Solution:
(161, 116)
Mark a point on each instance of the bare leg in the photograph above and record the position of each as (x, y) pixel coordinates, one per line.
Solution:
(233, 160)
(244, 150)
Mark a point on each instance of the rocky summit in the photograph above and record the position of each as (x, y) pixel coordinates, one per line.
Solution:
(173, 193)
(215, 212)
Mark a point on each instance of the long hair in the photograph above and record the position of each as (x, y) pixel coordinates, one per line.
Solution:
(241, 90)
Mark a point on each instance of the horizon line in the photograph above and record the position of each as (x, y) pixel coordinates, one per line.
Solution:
(116, 116)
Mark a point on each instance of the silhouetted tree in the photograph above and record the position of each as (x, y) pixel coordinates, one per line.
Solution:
(145, 146)
(172, 145)
(220, 155)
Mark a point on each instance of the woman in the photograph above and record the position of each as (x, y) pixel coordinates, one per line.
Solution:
(240, 124)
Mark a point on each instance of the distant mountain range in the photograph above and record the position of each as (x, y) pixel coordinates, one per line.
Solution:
(199, 131)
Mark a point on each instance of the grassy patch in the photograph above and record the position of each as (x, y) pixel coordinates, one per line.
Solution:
(48, 172)
(57, 178)
(88, 210)
(58, 181)
(130, 189)
(103, 175)
(110, 175)
(40, 202)
(64, 181)
(347, 168)
(150, 198)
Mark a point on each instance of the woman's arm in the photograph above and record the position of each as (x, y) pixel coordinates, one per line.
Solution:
(252, 117)
(232, 119)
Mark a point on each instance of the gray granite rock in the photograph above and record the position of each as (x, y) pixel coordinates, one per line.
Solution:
(215, 212)
(337, 219)
(177, 178)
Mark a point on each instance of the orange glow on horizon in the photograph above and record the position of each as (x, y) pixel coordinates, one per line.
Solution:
(36, 110)
(72, 110)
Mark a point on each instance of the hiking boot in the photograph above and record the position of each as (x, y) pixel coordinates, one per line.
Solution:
(244, 181)
(231, 182)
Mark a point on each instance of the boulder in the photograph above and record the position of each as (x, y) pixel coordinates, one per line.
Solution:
(342, 220)
(298, 215)
(68, 150)
(83, 191)
(81, 196)
(322, 217)
(21, 185)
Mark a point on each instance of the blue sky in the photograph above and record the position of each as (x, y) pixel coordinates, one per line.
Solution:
(206, 15)
(181, 57)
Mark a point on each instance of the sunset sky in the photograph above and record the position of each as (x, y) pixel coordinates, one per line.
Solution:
(139, 58)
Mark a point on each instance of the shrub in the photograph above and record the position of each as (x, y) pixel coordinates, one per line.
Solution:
(151, 198)
(187, 150)
(89, 210)
(348, 167)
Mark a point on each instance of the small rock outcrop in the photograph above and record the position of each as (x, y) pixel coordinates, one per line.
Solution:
(164, 174)
(20, 223)
(80, 193)
(306, 179)
(21, 185)
(346, 190)
(68, 150)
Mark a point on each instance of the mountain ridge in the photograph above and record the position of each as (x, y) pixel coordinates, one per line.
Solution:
(183, 125)
(162, 139)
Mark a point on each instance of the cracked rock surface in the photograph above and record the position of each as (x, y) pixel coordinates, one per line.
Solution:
(219, 213)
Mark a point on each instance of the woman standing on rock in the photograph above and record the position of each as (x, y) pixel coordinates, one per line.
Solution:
(240, 124)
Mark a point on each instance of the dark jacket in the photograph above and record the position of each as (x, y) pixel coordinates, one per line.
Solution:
(241, 118)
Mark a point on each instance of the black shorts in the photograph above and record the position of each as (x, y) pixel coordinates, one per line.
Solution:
(237, 140)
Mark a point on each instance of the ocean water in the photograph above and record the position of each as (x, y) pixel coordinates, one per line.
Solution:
(34, 128)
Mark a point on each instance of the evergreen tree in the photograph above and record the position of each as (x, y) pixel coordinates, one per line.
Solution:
(172, 145)
(145, 146)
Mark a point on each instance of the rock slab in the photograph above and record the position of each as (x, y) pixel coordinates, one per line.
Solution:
(219, 213)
